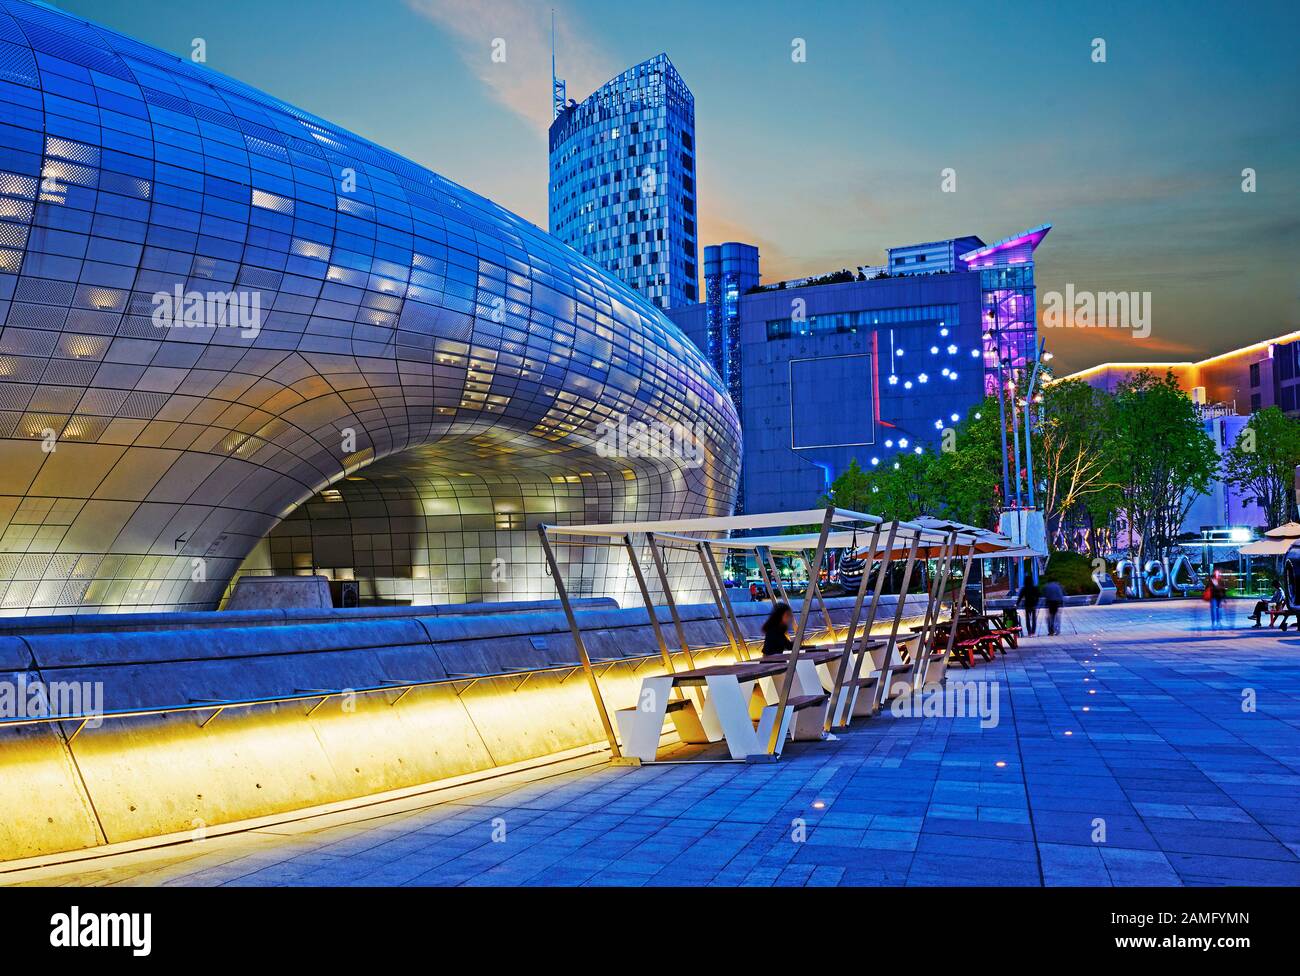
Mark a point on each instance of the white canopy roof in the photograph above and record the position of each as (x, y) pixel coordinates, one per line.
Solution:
(1289, 531)
(933, 532)
(1268, 547)
(717, 523)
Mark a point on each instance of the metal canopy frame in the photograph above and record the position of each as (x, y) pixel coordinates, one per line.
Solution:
(920, 541)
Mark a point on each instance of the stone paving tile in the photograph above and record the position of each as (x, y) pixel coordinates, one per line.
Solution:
(1130, 724)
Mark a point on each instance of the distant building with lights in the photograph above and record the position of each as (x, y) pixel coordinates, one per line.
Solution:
(1241, 381)
(623, 180)
(861, 364)
(1227, 389)
(730, 271)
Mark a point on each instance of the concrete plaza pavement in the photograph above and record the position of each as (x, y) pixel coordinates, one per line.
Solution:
(1139, 747)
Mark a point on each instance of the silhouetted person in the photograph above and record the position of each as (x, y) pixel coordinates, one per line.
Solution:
(1276, 602)
(1029, 597)
(1217, 594)
(1054, 597)
(776, 630)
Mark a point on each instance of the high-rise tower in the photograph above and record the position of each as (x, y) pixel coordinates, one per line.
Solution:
(622, 180)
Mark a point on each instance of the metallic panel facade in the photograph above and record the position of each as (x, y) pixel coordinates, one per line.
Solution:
(219, 311)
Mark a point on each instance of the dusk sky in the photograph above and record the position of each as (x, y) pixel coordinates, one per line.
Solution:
(1136, 162)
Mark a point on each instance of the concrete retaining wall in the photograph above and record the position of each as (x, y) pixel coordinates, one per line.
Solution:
(145, 775)
(92, 623)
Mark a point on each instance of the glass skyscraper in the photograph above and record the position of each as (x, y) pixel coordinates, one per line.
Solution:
(730, 270)
(622, 181)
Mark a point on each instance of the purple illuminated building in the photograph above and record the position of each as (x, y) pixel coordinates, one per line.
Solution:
(866, 363)
(1007, 313)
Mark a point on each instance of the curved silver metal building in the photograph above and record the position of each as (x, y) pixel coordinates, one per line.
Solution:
(230, 327)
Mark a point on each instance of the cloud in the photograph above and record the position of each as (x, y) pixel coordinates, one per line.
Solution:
(522, 81)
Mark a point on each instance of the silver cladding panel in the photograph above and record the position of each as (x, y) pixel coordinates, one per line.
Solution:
(444, 365)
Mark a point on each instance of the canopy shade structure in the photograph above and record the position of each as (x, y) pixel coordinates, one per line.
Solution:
(858, 540)
(717, 523)
(1289, 531)
(1269, 547)
(870, 537)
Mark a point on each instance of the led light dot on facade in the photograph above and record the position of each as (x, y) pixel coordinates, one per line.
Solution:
(920, 450)
(889, 443)
(974, 352)
(875, 461)
(804, 343)
(938, 425)
(902, 442)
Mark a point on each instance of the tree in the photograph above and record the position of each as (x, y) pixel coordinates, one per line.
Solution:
(905, 488)
(1071, 457)
(1160, 457)
(1263, 461)
(851, 490)
(966, 480)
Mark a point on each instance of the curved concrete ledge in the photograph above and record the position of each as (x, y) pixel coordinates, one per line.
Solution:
(504, 694)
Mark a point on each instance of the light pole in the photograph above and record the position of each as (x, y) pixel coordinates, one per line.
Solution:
(1042, 357)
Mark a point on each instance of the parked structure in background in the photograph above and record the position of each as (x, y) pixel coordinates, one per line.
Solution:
(623, 180)
(861, 364)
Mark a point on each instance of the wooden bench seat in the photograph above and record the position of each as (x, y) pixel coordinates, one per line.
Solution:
(816, 657)
(806, 701)
(741, 671)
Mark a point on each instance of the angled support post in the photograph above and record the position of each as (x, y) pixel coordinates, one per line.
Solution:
(726, 599)
(776, 576)
(912, 554)
(778, 726)
(956, 606)
(816, 571)
(717, 599)
(662, 571)
(851, 634)
(766, 576)
(649, 604)
(576, 631)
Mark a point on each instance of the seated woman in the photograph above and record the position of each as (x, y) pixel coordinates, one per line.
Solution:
(1276, 602)
(776, 630)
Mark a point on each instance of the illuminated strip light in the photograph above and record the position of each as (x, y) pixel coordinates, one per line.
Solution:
(1186, 364)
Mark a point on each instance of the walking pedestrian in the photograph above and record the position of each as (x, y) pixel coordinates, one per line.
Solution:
(1054, 597)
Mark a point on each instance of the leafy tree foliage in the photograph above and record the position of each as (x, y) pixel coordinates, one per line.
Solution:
(1263, 462)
